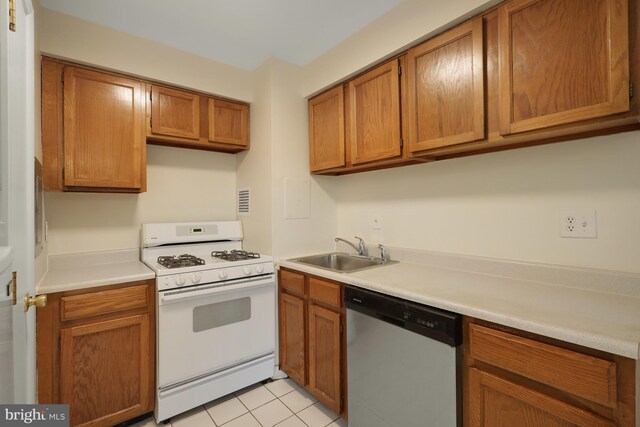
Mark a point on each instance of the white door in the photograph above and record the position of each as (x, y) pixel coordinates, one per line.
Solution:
(17, 191)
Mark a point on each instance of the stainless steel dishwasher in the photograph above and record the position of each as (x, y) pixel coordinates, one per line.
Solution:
(403, 362)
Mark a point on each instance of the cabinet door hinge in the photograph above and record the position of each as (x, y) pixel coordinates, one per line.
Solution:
(630, 89)
(399, 70)
(340, 327)
(151, 122)
(401, 143)
(150, 95)
(62, 77)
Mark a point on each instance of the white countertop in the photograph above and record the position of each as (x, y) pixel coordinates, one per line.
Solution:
(603, 312)
(79, 271)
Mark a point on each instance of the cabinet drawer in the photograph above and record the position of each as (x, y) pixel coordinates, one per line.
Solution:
(323, 291)
(584, 376)
(111, 301)
(292, 282)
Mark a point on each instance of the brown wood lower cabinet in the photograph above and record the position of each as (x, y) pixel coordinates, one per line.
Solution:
(312, 348)
(514, 378)
(96, 352)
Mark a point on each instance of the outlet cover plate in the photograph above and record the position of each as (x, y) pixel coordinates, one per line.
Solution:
(578, 224)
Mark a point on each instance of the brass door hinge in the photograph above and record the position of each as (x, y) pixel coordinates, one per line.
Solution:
(630, 89)
(12, 15)
(12, 288)
(399, 70)
(401, 143)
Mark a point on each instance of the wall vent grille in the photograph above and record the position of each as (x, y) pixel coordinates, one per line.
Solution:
(244, 201)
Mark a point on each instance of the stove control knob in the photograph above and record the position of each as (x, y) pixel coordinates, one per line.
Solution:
(222, 274)
(180, 280)
(197, 276)
(260, 268)
(246, 270)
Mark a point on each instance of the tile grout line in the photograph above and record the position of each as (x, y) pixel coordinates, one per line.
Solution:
(207, 411)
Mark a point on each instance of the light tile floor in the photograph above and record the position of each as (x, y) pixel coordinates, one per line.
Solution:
(280, 403)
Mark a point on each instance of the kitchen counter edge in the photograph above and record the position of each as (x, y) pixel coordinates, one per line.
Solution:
(611, 343)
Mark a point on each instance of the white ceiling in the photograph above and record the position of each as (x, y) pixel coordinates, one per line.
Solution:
(242, 33)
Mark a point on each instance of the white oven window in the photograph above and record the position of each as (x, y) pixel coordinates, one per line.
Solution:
(215, 315)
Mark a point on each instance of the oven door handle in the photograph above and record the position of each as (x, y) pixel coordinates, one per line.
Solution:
(175, 295)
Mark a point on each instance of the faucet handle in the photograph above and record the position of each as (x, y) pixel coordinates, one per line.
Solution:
(383, 252)
(361, 247)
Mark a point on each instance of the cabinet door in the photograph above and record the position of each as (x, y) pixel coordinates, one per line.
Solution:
(561, 61)
(175, 113)
(104, 141)
(105, 370)
(373, 121)
(228, 122)
(446, 89)
(326, 130)
(496, 402)
(292, 337)
(324, 356)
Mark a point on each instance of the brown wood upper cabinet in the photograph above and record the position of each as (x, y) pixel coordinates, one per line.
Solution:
(373, 115)
(96, 352)
(175, 113)
(228, 122)
(326, 130)
(561, 61)
(92, 130)
(187, 119)
(445, 92)
(525, 72)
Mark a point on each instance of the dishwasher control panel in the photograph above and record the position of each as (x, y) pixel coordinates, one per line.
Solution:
(440, 325)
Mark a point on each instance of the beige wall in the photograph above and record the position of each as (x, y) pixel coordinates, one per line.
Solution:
(182, 185)
(71, 38)
(254, 166)
(279, 150)
(295, 236)
(507, 204)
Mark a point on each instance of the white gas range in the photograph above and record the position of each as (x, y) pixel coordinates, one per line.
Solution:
(215, 312)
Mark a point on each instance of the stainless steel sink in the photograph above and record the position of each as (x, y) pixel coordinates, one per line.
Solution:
(342, 262)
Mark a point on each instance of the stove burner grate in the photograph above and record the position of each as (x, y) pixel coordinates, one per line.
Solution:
(179, 261)
(235, 255)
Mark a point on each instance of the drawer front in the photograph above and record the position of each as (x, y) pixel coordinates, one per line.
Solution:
(103, 302)
(325, 292)
(292, 282)
(584, 376)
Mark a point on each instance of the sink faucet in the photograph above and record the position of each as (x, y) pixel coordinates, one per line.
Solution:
(360, 248)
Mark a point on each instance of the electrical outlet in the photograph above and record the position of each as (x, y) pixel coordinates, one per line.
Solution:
(376, 222)
(578, 224)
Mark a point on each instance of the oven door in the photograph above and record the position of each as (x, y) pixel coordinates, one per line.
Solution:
(208, 328)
